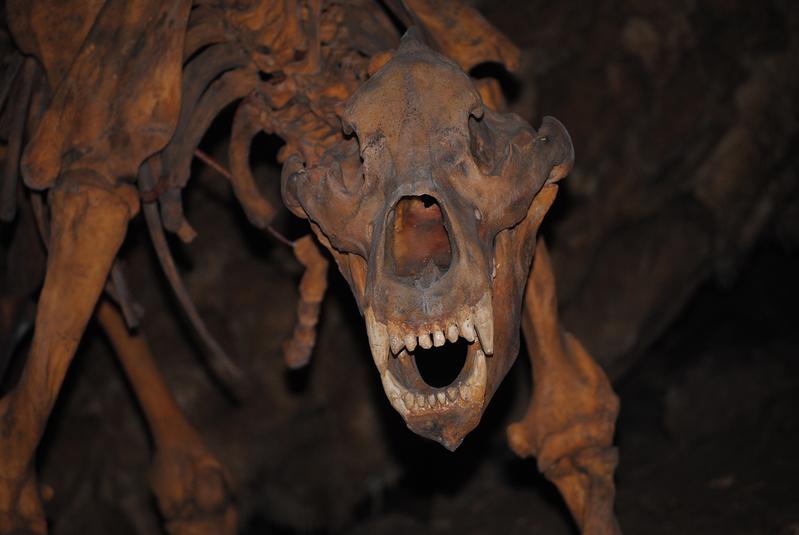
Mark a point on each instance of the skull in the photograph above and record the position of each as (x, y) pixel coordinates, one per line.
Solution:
(430, 206)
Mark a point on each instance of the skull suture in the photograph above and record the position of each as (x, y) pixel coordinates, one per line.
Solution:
(431, 207)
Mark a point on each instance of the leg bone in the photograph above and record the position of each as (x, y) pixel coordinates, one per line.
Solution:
(88, 226)
(570, 421)
(192, 488)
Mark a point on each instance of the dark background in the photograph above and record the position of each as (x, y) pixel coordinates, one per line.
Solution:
(675, 245)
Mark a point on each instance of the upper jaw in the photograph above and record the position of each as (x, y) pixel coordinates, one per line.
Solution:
(392, 336)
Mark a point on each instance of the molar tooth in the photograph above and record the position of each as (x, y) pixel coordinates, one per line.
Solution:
(484, 322)
(408, 399)
(465, 391)
(438, 338)
(425, 341)
(420, 401)
(410, 342)
(467, 329)
(378, 339)
(442, 397)
(452, 393)
(395, 338)
(431, 400)
(452, 333)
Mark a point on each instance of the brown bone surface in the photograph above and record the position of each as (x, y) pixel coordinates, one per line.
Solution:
(427, 196)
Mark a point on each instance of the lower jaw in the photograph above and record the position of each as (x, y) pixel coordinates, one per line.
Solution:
(445, 414)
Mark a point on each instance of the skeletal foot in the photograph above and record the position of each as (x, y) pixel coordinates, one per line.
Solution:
(21, 511)
(194, 493)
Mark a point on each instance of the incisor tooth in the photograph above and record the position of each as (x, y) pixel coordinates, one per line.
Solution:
(467, 330)
(395, 338)
(442, 397)
(452, 333)
(424, 341)
(410, 342)
(378, 339)
(484, 322)
(438, 338)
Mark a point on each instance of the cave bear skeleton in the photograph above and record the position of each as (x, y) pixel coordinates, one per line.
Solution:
(425, 194)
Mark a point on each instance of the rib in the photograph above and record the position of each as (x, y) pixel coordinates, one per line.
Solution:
(245, 127)
(222, 366)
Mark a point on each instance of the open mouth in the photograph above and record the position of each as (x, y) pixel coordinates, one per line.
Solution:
(412, 395)
(416, 366)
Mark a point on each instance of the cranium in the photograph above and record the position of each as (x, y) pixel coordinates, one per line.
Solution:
(430, 205)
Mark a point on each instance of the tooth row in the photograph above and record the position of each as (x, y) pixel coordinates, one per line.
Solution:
(469, 322)
(405, 402)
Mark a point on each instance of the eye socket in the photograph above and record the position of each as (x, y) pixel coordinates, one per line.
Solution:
(481, 144)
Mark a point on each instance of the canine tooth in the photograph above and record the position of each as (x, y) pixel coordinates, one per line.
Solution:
(431, 399)
(395, 338)
(410, 342)
(378, 339)
(477, 378)
(467, 329)
(442, 397)
(484, 322)
(438, 338)
(420, 401)
(394, 393)
(408, 399)
(452, 393)
(425, 341)
(452, 333)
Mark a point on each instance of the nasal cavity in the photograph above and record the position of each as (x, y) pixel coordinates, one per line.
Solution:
(419, 246)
